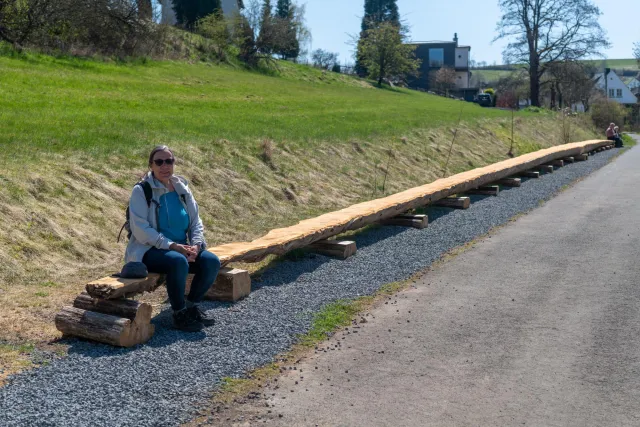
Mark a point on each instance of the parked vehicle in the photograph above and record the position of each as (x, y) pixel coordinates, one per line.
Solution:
(485, 100)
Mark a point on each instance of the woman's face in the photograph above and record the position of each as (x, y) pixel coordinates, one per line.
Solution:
(159, 166)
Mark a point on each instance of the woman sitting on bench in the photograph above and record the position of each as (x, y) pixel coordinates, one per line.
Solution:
(168, 237)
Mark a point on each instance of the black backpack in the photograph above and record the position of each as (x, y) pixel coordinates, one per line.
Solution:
(148, 195)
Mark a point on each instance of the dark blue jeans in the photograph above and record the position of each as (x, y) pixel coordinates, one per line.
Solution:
(176, 267)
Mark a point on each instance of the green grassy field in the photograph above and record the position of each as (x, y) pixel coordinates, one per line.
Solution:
(71, 104)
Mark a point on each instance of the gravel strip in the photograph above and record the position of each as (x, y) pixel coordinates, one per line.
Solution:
(163, 382)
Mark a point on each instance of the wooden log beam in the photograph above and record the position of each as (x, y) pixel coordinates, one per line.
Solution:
(341, 249)
(557, 163)
(416, 221)
(453, 202)
(105, 328)
(545, 168)
(489, 190)
(127, 308)
(510, 182)
(581, 157)
(232, 284)
(115, 287)
(569, 160)
(530, 174)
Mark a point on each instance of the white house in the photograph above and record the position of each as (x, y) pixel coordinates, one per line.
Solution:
(614, 88)
(229, 7)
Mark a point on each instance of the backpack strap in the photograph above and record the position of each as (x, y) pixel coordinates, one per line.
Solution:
(148, 193)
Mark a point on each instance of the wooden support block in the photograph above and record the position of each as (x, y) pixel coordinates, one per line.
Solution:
(106, 328)
(232, 284)
(454, 202)
(341, 249)
(569, 160)
(510, 182)
(581, 157)
(545, 168)
(530, 174)
(489, 190)
(557, 163)
(115, 287)
(127, 308)
(415, 221)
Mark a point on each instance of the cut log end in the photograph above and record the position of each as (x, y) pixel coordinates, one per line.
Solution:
(232, 284)
(104, 328)
(341, 249)
(454, 202)
(510, 182)
(415, 221)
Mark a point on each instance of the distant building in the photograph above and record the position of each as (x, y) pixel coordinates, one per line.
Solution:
(438, 54)
(168, 16)
(614, 88)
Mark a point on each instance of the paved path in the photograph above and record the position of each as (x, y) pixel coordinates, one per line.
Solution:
(537, 325)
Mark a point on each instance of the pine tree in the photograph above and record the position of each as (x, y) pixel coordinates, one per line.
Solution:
(189, 11)
(283, 9)
(266, 39)
(376, 12)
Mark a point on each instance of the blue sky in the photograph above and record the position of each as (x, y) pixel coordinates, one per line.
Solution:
(331, 21)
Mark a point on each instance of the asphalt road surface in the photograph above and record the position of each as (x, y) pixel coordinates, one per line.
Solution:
(537, 325)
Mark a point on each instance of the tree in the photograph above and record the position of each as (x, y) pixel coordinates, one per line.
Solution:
(375, 12)
(324, 59)
(286, 40)
(570, 82)
(20, 20)
(188, 12)
(385, 55)
(445, 79)
(636, 52)
(266, 41)
(546, 31)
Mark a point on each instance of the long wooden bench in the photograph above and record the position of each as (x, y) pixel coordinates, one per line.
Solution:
(127, 323)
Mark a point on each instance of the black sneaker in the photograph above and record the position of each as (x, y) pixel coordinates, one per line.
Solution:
(183, 320)
(201, 316)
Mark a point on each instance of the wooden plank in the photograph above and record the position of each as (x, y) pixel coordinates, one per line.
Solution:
(416, 221)
(581, 157)
(557, 163)
(232, 284)
(341, 249)
(530, 174)
(105, 328)
(453, 202)
(510, 182)
(115, 287)
(545, 168)
(489, 190)
(569, 160)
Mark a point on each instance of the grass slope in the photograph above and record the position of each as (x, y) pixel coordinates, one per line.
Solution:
(260, 151)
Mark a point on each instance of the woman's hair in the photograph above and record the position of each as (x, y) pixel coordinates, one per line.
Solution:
(157, 149)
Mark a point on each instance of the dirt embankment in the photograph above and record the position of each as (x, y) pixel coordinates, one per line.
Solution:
(62, 217)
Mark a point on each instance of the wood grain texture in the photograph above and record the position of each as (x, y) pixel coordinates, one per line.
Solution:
(341, 249)
(283, 240)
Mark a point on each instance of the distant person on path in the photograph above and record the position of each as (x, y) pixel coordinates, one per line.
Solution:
(618, 137)
(612, 135)
(167, 235)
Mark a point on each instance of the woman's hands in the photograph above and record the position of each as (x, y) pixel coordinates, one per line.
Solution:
(190, 252)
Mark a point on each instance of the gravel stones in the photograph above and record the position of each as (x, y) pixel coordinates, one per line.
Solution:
(165, 381)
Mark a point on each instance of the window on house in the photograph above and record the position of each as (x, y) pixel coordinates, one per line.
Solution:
(611, 93)
(436, 57)
(618, 93)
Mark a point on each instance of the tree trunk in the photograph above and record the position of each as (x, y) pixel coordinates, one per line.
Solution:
(534, 82)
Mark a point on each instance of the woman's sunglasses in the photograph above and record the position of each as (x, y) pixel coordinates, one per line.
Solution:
(160, 162)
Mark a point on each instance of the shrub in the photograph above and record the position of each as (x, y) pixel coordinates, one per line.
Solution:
(604, 112)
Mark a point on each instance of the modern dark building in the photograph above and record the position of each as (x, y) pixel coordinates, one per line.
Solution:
(438, 54)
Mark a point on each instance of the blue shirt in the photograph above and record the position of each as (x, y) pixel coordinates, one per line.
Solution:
(173, 219)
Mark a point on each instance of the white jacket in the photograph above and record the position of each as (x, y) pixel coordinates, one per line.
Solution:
(143, 218)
